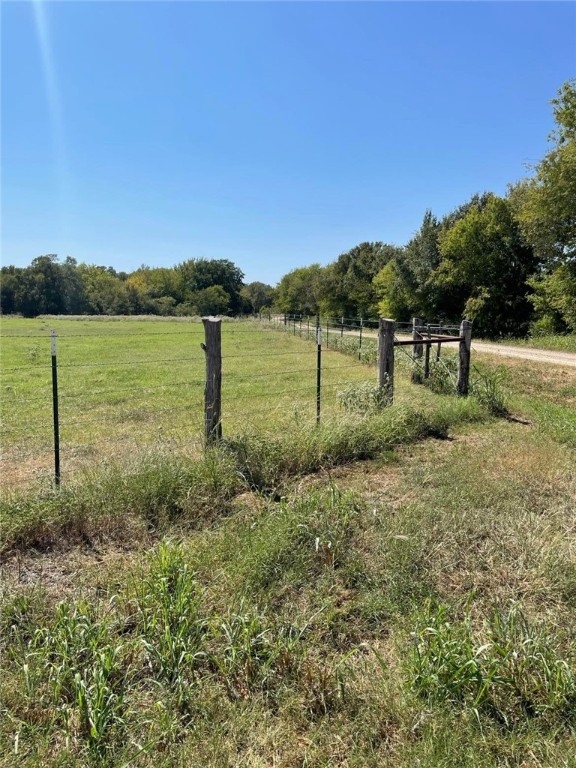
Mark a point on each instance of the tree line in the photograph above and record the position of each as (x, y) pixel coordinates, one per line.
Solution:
(507, 263)
(194, 287)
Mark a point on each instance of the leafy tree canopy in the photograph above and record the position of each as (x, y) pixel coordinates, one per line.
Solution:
(484, 269)
(257, 296)
(301, 290)
(545, 203)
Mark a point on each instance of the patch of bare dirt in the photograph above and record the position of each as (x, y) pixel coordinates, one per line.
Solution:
(61, 572)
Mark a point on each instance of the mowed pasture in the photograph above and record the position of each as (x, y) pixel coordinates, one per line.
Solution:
(130, 384)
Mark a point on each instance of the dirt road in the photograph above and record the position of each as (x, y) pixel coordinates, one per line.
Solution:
(527, 353)
(554, 357)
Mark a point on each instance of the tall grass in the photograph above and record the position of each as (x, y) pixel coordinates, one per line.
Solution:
(508, 669)
(153, 490)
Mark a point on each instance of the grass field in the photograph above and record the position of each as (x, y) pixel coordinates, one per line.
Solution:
(391, 590)
(126, 384)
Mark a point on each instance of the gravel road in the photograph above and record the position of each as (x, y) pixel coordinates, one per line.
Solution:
(523, 353)
(527, 353)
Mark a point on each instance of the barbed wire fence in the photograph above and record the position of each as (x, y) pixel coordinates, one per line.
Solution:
(91, 402)
(359, 336)
(95, 401)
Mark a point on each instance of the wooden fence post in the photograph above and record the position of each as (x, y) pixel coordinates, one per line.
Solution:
(440, 332)
(416, 335)
(427, 362)
(417, 348)
(464, 358)
(213, 387)
(386, 330)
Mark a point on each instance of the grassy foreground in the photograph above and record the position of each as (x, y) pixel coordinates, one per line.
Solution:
(272, 603)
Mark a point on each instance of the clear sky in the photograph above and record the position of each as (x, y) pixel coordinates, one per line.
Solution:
(272, 134)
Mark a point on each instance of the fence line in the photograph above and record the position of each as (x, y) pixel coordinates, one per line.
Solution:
(317, 331)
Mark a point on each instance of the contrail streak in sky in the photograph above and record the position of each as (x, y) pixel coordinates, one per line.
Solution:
(56, 117)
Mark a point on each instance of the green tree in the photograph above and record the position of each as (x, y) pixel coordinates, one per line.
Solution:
(301, 290)
(349, 288)
(106, 293)
(41, 288)
(545, 203)
(197, 274)
(409, 292)
(395, 298)
(213, 300)
(154, 290)
(73, 288)
(554, 300)
(256, 296)
(484, 270)
(10, 277)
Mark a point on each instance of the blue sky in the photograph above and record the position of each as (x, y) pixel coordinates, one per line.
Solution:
(272, 134)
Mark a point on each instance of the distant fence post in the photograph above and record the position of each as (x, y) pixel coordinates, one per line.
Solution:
(360, 342)
(417, 348)
(464, 358)
(386, 330)
(416, 335)
(213, 387)
(427, 356)
(55, 409)
(318, 367)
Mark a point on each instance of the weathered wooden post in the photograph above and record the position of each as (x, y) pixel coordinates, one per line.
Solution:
(416, 335)
(213, 387)
(386, 330)
(464, 357)
(427, 356)
(440, 332)
(417, 348)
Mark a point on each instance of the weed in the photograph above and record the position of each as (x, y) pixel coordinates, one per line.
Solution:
(363, 399)
(82, 670)
(253, 653)
(170, 622)
(443, 376)
(509, 671)
(487, 389)
(327, 684)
